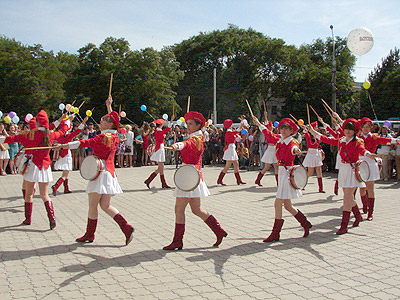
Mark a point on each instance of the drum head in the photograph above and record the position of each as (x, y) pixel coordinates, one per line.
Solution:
(187, 178)
(363, 169)
(90, 167)
(300, 176)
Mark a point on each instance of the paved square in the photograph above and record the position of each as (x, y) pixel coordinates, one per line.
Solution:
(38, 263)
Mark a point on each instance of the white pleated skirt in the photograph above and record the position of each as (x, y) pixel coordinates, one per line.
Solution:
(338, 161)
(269, 156)
(230, 153)
(105, 183)
(374, 172)
(159, 155)
(347, 177)
(313, 158)
(34, 174)
(4, 154)
(199, 192)
(285, 189)
(64, 163)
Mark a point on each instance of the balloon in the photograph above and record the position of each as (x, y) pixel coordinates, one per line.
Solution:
(68, 107)
(182, 119)
(366, 85)
(276, 124)
(360, 41)
(89, 113)
(66, 118)
(238, 139)
(28, 117)
(7, 119)
(165, 117)
(209, 122)
(61, 106)
(76, 110)
(251, 138)
(122, 130)
(179, 122)
(15, 120)
(1, 114)
(122, 114)
(300, 122)
(387, 124)
(143, 107)
(12, 114)
(244, 131)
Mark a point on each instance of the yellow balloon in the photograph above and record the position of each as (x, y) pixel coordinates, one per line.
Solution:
(182, 119)
(366, 85)
(7, 119)
(66, 118)
(76, 110)
(89, 113)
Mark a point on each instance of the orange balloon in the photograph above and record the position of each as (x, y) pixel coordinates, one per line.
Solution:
(300, 122)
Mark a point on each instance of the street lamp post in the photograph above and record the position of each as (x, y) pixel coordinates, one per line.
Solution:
(333, 72)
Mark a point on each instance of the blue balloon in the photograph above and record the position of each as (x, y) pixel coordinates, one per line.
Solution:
(61, 106)
(244, 131)
(179, 122)
(143, 107)
(276, 124)
(15, 119)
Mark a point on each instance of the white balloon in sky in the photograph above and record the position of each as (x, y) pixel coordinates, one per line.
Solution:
(360, 41)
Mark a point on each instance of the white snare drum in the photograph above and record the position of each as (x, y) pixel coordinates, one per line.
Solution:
(21, 161)
(298, 177)
(150, 149)
(187, 178)
(379, 162)
(90, 167)
(361, 170)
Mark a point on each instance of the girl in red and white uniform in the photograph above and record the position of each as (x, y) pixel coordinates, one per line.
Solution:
(269, 157)
(286, 150)
(64, 160)
(106, 184)
(371, 142)
(230, 155)
(313, 159)
(350, 149)
(191, 151)
(39, 167)
(159, 152)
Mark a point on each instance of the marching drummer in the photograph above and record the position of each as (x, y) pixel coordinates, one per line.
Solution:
(371, 142)
(64, 160)
(159, 152)
(39, 166)
(230, 155)
(191, 151)
(106, 184)
(286, 150)
(351, 149)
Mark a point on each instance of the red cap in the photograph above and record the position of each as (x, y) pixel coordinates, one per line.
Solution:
(353, 121)
(43, 119)
(228, 123)
(196, 116)
(289, 122)
(314, 124)
(114, 118)
(159, 121)
(32, 123)
(366, 120)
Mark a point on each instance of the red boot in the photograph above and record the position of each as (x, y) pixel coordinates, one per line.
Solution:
(364, 201)
(259, 177)
(50, 214)
(371, 202)
(336, 188)
(303, 222)
(220, 177)
(320, 185)
(125, 227)
(177, 242)
(57, 185)
(276, 179)
(66, 188)
(238, 179)
(28, 213)
(150, 179)
(90, 230)
(274, 236)
(357, 215)
(345, 223)
(164, 184)
(217, 229)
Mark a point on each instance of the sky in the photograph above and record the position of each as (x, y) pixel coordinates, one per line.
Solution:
(67, 25)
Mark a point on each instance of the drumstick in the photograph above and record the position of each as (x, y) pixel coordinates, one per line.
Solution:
(294, 119)
(248, 105)
(111, 80)
(40, 148)
(188, 105)
(81, 104)
(329, 113)
(314, 111)
(119, 110)
(73, 102)
(265, 108)
(308, 114)
(173, 108)
(169, 148)
(326, 104)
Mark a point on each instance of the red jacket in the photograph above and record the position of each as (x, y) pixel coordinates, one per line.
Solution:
(40, 158)
(159, 136)
(371, 141)
(284, 152)
(192, 151)
(67, 138)
(310, 143)
(230, 137)
(349, 152)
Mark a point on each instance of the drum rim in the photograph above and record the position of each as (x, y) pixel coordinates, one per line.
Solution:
(357, 173)
(198, 178)
(98, 171)
(292, 182)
